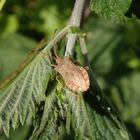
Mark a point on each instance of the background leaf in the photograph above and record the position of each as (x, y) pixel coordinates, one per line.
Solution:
(127, 105)
(115, 63)
(2, 3)
(113, 10)
(17, 47)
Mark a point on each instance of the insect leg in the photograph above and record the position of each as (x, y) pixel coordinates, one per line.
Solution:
(87, 68)
(77, 63)
(53, 65)
(59, 81)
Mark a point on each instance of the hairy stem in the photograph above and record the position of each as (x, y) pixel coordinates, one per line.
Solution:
(75, 20)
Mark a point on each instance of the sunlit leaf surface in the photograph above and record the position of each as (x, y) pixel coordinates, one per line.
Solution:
(22, 95)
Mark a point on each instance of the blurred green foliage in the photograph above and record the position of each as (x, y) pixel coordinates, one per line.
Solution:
(115, 61)
(112, 10)
(113, 50)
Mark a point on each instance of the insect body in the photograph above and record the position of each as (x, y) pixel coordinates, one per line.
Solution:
(75, 77)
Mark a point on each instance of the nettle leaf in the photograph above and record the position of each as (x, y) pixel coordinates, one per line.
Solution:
(90, 119)
(78, 118)
(113, 10)
(48, 115)
(21, 96)
(25, 89)
(83, 117)
(51, 129)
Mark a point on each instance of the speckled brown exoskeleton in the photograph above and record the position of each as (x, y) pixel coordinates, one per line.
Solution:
(75, 77)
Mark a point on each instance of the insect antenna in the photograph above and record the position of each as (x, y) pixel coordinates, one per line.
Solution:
(54, 50)
(54, 45)
(56, 57)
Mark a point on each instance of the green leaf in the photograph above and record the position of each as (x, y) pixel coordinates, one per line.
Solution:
(104, 40)
(19, 134)
(112, 53)
(85, 117)
(15, 53)
(78, 118)
(48, 113)
(21, 96)
(51, 129)
(112, 10)
(92, 119)
(26, 88)
(126, 97)
(2, 2)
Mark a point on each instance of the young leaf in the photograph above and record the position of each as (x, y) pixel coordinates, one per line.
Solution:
(28, 89)
(113, 10)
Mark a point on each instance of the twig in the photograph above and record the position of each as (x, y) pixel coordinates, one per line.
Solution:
(83, 45)
(75, 20)
(84, 50)
(63, 32)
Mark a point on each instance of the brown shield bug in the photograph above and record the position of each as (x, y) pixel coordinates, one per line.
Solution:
(75, 77)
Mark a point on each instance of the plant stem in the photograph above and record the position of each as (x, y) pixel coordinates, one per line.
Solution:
(75, 20)
(63, 32)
